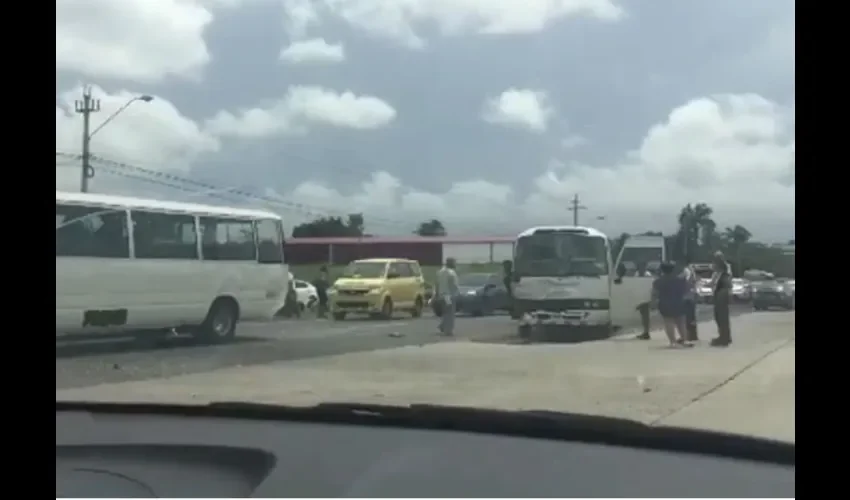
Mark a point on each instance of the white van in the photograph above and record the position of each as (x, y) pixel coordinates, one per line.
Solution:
(127, 264)
(564, 281)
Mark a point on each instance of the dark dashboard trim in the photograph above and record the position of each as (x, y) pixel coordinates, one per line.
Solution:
(530, 424)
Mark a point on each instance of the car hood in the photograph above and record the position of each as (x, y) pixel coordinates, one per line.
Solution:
(357, 283)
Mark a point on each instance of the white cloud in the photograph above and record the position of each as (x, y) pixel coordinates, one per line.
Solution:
(302, 107)
(136, 40)
(401, 20)
(574, 141)
(154, 135)
(299, 16)
(315, 50)
(734, 152)
(523, 108)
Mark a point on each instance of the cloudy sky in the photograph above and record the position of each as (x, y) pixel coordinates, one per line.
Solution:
(487, 114)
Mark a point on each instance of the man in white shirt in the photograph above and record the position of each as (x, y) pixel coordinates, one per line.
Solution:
(446, 292)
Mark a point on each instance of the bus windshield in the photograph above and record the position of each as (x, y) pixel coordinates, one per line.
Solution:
(640, 260)
(561, 254)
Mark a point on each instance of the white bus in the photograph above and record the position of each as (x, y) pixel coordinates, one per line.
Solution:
(126, 264)
(565, 281)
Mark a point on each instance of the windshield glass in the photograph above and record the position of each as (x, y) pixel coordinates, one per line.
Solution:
(475, 280)
(640, 260)
(561, 254)
(387, 154)
(366, 270)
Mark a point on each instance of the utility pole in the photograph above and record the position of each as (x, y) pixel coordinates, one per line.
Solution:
(575, 208)
(86, 107)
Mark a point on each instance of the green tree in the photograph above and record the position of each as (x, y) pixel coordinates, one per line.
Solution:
(736, 238)
(697, 231)
(331, 227)
(431, 227)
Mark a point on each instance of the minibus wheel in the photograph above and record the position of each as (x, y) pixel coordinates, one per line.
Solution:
(220, 323)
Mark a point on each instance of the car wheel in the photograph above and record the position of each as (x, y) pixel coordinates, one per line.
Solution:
(418, 306)
(387, 309)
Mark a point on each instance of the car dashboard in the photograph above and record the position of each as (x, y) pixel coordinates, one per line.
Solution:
(166, 454)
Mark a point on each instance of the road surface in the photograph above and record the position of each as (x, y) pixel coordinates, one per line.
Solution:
(90, 363)
(747, 388)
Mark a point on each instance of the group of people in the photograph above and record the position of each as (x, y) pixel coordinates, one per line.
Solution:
(675, 296)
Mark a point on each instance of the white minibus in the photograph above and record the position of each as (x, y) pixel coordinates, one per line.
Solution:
(127, 264)
(565, 282)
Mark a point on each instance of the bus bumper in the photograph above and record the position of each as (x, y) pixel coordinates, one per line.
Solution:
(572, 326)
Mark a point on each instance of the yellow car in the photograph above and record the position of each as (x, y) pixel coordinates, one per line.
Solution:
(379, 288)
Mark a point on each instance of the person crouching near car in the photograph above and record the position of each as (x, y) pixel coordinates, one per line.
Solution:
(669, 291)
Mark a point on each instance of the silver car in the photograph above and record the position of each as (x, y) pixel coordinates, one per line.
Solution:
(741, 291)
(779, 293)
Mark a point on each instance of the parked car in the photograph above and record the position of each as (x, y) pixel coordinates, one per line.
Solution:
(379, 288)
(741, 290)
(774, 293)
(705, 294)
(306, 294)
(480, 294)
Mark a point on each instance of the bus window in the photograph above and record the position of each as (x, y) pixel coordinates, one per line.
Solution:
(164, 236)
(227, 239)
(91, 232)
(270, 243)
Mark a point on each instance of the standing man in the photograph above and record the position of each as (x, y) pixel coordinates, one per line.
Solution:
(691, 303)
(291, 306)
(507, 280)
(446, 293)
(644, 307)
(322, 284)
(722, 284)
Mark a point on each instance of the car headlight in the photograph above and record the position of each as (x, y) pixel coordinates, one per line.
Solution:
(594, 304)
(375, 290)
(472, 292)
(332, 290)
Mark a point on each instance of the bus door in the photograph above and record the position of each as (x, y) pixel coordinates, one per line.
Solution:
(634, 272)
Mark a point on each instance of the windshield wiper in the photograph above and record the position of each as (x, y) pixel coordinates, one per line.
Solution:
(532, 423)
(541, 424)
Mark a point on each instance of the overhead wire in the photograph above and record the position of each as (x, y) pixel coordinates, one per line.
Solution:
(173, 181)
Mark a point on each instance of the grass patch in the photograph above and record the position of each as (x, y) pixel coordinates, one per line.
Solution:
(309, 272)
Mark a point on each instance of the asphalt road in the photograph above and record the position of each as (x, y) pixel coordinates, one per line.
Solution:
(80, 364)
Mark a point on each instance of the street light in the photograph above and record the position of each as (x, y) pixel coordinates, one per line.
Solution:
(86, 107)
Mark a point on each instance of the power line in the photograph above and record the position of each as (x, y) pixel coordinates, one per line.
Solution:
(180, 183)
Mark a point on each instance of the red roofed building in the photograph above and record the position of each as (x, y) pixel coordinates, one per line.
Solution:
(429, 251)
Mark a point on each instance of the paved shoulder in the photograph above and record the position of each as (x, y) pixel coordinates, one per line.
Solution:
(759, 401)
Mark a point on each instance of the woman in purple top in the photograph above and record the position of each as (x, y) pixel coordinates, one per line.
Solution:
(670, 293)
